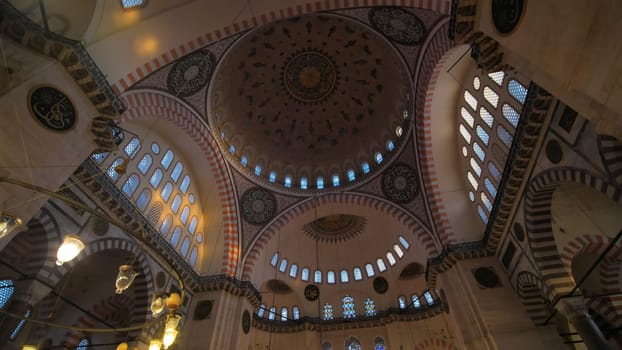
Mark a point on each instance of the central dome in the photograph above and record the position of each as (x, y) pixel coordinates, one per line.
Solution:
(310, 103)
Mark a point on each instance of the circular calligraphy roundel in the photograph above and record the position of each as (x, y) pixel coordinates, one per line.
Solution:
(52, 109)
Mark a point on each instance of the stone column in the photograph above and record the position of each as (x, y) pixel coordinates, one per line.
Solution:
(573, 308)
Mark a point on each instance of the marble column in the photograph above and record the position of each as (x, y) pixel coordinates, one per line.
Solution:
(573, 308)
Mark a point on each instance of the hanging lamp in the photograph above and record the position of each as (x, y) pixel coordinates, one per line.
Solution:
(71, 247)
(8, 223)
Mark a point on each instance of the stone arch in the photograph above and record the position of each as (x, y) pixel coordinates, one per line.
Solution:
(531, 294)
(435, 344)
(170, 55)
(143, 285)
(141, 103)
(438, 50)
(538, 222)
(424, 237)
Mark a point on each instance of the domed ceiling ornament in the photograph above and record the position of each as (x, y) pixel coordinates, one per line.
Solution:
(381, 285)
(312, 292)
(258, 206)
(398, 25)
(399, 183)
(335, 228)
(309, 97)
(191, 73)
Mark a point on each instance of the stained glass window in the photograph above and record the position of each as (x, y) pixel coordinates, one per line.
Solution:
(257, 170)
(155, 148)
(470, 100)
(20, 325)
(184, 215)
(345, 278)
(517, 90)
(130, 185)
(330, 277)
(358, 275)
(472, 180)
(415, 300)
(504, 135)
(404, 242)
(327, 312)
(296, 313)
(317, 276)
(353, 344)
(6, 291)
(283, 265)
(293, 271)
(192, 228)
(370, 307)
(401, 300)
(482, 213)
(466, 135)
(156, 178)
(261, 311)
(378, 157)
(510, 114)
(497, 77)
(128, 4)
(348, 307)
(479, 152)
(99, 157)
(390, 146)
(476, 83)
(381, 266)
(167, 159)
(145, 164)
(369, 270)
(244, 161)
(143, 199)
(288, 181)
(132, 147)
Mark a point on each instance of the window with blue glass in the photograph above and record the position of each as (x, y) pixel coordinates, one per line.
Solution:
(327, 312)
(330, 277)
(257, 170)
(288, 181)
(401, 301)
(145, 164)
(20, 325)
(358, 275)
(378, 157)
(369, 270)
(156, 178)
(272, 313)
(272, 176)
(167, 159)
(130, 185)
(111, 172)
(132, 147)
(415, 300)
(304, 274)
(428, 298)
(335, 180)
(303, 183)
(370, 307)
(261, 311)
(317, 276)
(320, 183)
(244, 161)
(517, 90)
(296, 313)
(365, 167)
(348, 307)
(6, 291)
(143, 199)
(283, 265)
(99, 157)
(175, 236)
(177, 171)
(83, 344)
(390, 146)
(351, 175)
(185, 184)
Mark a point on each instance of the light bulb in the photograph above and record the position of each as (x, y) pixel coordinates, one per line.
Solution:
(169, 337)
(173, 301)
(122, 346)
(71, 247)
(157, 305)
(155, 344)
(124, 278)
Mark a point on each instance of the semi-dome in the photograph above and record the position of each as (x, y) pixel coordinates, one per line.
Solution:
(311, 103)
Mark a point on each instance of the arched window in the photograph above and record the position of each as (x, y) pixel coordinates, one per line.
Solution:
(517, 90)
(177, 171)
(199, 237)
(257, 169)
(166, 224)
(296, 313)
(184, 215)
(145, 164)
(304, 274)
(193, 256)
(185, 245)
(378, 157)
(111, 172)
(303, 183)
(272, 313)
(167, 159)
(175, 236)
(327, 312)
(391, 259)
(401, 300)
(379, 344)
(193, 225)
(156, 178)
(288, 181)
(167, 190)
(185, 183)
(283, 265)
(176, 203)
(404, 242)
(381, 266)
(20, 325)
(369, 270)
(130, 185)
(491, 96)
(415, 300)
(155, 148)
(261, 310)
(351, 175)
(358, 275)
(283, 314)
(275, 259)
(348, 307)
(99, 157)
(365, 167)
(353, 344)
(272, 176)
(244, 161)
(330, 277)
(335, 180)
(428, 298)
(6, 291)
(370, 307)
(132, 147)
(510, 114)
(83, 344)
(317, 277)
(390, 146)
(398, 251)
(345, 278)
(143, 199)
(320, 183)
(293, 271)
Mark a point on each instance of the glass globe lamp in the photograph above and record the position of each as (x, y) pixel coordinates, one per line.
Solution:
(71, 247)
(8, 223)
(125, 277)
